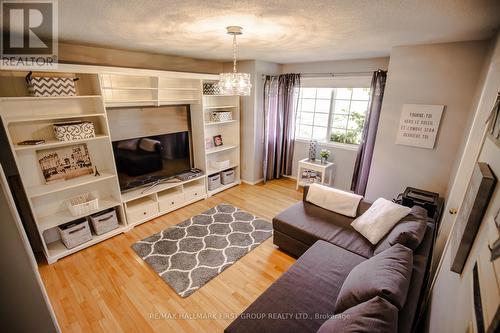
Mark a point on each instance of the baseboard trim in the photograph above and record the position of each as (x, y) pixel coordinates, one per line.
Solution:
(252, 183)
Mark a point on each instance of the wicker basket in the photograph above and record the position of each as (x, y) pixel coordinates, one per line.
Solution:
(82, 204)
(104, 222)
(75, 233)
(214, 182)
(227, 177)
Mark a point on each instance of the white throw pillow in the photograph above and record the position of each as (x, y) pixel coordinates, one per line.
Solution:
(338, 201)
(379, 219)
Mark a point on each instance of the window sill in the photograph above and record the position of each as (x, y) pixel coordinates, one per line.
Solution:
(337, 145)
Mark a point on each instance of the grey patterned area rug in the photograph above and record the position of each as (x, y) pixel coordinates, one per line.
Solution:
(191, 253)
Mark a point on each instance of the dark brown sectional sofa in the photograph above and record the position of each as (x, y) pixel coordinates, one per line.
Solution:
(327, 248)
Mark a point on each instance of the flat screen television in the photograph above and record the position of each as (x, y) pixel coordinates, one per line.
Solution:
(147, 160)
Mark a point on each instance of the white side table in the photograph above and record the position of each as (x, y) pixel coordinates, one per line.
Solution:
(324, 168)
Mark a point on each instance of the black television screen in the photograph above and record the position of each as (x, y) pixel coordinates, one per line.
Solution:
(143, 161)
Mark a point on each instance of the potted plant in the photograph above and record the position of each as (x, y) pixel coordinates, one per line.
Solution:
(324, 154)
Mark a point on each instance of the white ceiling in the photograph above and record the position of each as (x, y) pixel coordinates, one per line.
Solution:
(279, 31)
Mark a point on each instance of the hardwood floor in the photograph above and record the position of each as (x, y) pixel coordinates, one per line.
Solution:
(108, 288)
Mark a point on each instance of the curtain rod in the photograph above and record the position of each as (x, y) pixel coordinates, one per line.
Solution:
(330, 74)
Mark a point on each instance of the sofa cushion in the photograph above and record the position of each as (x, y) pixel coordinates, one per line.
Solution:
(379, 219)
(408, 232)
(309, 287)
(308, 223)
(419, 277)
(374, 315)
(386, 274)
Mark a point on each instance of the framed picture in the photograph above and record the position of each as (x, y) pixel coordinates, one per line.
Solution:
(218, 140)
(209, 143)
(64, 163)
(470, 214)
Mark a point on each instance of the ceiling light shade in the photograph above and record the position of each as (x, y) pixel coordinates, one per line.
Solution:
(235, 83)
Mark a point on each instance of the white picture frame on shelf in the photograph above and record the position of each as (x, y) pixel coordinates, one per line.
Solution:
(59, 164)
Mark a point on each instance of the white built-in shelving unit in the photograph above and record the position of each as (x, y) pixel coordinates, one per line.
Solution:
(26, 118)
(101, 90)
(206, 129)
(122, 90)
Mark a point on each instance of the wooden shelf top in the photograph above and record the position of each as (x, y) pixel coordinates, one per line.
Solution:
(212, 123)
(38, 98)
(54, 220)
(220, 107)
(45, 189)
(224, 187)
(219, 149)
(57, 249)
(54, 143)
(211, 171)
(55, 117)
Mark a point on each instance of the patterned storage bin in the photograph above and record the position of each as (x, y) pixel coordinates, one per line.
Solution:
(74, 130)
(227, 177)
(51, 86)
(216, 116)
(75, 233)
(214, 182)
(104, 221)
(211, 88)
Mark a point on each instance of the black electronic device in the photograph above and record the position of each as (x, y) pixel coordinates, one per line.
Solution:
(414, 196)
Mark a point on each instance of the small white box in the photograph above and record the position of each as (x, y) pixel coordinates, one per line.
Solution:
(74, 130)
(220, 165)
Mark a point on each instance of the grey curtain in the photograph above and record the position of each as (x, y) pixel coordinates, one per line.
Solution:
(365, 152)
(279, 121)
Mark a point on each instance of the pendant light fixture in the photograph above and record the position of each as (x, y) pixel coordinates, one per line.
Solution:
(235, 83)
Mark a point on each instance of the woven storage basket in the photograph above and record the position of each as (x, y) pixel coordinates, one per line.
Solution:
(216, 116)
(104, 222)
(214, 181)
(227, 177)
(82, 204)
(75, 233)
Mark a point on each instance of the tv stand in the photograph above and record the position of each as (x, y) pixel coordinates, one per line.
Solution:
(142, 205)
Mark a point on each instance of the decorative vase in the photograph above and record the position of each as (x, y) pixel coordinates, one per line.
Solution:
(313, 147)
(324, 160)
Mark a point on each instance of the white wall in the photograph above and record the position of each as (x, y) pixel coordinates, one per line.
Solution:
(450, 288)
(343, 157)
(252, 118)
(445, 74)
(337, 66)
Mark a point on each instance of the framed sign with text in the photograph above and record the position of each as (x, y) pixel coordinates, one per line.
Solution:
(419, 125)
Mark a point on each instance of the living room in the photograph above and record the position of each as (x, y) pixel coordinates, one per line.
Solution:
(250, 166)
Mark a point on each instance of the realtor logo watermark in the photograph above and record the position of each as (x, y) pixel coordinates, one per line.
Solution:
(29, 34)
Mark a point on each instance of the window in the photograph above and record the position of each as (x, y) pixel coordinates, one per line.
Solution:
(331, 114)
